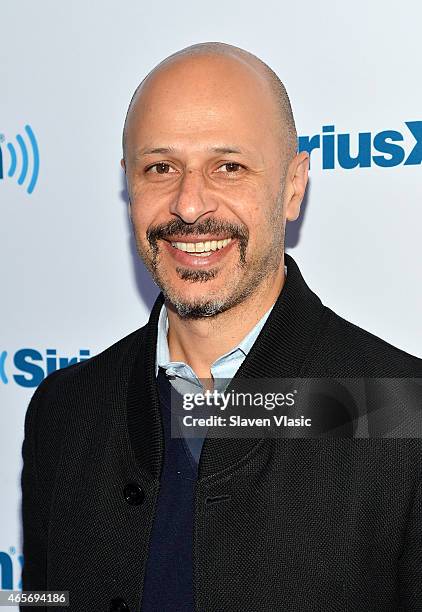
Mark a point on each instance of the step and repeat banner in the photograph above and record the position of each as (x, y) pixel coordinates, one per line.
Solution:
(71, 281)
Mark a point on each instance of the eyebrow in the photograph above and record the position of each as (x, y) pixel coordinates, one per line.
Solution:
(226, 150)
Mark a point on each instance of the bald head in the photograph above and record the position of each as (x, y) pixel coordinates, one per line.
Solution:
(230, 61)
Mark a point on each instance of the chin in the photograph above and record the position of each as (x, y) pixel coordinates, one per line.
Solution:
(195, 290)
(199, 309)
(197, 303)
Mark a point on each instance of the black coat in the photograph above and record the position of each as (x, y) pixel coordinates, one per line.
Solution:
(295, 525)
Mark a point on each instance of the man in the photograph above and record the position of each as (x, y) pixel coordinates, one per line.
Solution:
(124, 515)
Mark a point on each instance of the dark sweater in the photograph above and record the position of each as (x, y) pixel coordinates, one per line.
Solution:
(168, 582)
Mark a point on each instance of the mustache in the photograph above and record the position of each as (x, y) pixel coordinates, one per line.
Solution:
(208, 226)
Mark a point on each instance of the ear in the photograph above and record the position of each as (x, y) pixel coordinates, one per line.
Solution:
(129, 206)
(295, 187)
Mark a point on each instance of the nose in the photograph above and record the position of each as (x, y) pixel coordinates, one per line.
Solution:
(193, 198)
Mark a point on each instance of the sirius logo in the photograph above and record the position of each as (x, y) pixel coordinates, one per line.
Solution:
(32, 366)
(365, 149)
(10, 567)
(22, 155)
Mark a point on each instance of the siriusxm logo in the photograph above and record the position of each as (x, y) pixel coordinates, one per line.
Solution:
(365, 149)
(10, 567)
(22, 155)
(32, 366)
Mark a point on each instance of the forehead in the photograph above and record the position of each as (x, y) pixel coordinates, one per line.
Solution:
(203, 99)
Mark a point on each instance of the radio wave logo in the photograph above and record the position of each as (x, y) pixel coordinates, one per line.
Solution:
(22, 155)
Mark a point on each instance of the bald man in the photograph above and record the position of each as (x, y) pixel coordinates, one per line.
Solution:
(128, 514)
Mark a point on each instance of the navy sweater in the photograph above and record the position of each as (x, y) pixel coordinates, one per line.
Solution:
(169, 572)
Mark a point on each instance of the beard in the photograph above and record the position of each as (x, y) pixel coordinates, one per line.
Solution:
(251, 271)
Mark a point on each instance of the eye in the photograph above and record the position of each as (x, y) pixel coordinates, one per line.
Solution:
(232, 167)
(160, 168)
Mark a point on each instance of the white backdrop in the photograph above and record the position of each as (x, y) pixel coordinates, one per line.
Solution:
(70, 277)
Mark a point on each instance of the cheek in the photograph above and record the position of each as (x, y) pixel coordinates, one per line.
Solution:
(146, 206)
(150, 205)
(253, 211)
(140, 224)
(139, 216)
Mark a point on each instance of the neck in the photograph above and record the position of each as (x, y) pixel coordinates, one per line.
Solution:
(199, 342)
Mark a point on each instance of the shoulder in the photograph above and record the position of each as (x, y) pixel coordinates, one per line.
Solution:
(106, 363)
(76, 386)
(345, 349)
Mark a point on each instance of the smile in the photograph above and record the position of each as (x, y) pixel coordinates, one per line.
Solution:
(199, 254)
(202, 249)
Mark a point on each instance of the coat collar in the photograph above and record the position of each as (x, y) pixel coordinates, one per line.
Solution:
(280, 350)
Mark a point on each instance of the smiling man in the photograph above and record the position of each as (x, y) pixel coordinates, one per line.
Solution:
(208, 523)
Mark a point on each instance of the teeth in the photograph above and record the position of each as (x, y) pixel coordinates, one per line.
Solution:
(201, 247)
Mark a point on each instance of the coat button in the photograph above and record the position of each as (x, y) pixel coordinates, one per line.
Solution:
(118, 604)
(133, 493)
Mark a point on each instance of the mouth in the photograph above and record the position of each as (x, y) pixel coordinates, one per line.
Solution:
(199, 253)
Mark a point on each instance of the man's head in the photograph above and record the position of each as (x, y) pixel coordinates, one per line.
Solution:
(210, 154)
